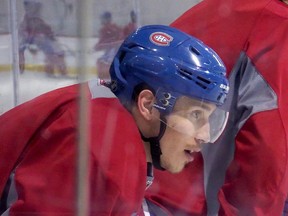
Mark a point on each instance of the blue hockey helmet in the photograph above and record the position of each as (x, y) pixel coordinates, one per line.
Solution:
(169, 61)
(173, 64)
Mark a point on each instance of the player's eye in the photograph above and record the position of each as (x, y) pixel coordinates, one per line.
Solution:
(196, 114)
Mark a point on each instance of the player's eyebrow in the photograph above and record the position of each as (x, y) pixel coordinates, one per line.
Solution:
(204, 106)
(201, 104)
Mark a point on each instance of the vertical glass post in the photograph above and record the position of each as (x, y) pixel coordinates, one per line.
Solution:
(15, 46)
(84, 29)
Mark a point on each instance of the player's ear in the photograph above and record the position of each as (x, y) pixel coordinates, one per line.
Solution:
(145, 103)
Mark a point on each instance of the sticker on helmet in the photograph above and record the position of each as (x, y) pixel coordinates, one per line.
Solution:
(161, 38)
(225, 87)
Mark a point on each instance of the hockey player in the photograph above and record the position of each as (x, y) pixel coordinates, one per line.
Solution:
(132, 25)
(110, 38)
(247, 168)
(170, 88)
(35, 33)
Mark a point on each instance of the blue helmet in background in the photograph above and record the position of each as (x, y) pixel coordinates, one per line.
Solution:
(172, 63)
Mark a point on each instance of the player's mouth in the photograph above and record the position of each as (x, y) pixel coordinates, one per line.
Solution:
(190, 155)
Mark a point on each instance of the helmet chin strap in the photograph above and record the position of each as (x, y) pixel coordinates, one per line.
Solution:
(155, 144)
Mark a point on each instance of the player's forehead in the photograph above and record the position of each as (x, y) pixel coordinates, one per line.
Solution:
(186, 103)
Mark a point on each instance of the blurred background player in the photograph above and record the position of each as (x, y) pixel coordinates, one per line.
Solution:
(35, 34)
(110, 38)
(132, 25)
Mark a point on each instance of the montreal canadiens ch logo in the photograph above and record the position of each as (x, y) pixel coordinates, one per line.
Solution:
(161, 38)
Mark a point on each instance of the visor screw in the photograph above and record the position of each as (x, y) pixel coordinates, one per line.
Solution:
(167, 95)
(164, 102)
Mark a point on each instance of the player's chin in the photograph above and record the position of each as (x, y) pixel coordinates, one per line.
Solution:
(176, 168)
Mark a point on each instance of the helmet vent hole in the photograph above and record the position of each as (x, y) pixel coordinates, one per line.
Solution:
(201, 85)
(185, 73)
(202, 82)
(194, 50)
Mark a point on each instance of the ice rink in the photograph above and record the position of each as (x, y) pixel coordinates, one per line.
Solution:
(34, 81)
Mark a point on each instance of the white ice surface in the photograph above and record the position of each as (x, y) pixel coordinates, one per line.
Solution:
(34, 83)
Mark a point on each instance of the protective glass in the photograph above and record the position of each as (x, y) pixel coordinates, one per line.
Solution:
(198, 119)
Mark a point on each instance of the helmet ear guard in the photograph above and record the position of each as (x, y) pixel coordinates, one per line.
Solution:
(165, 101)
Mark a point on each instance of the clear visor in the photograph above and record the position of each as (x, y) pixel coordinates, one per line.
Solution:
(197, 119)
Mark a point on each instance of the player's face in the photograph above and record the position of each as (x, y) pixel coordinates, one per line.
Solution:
(187, 130)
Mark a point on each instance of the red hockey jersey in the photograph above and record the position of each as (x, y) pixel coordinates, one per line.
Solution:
(247, 168)
(39, 141)
(110, 36)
